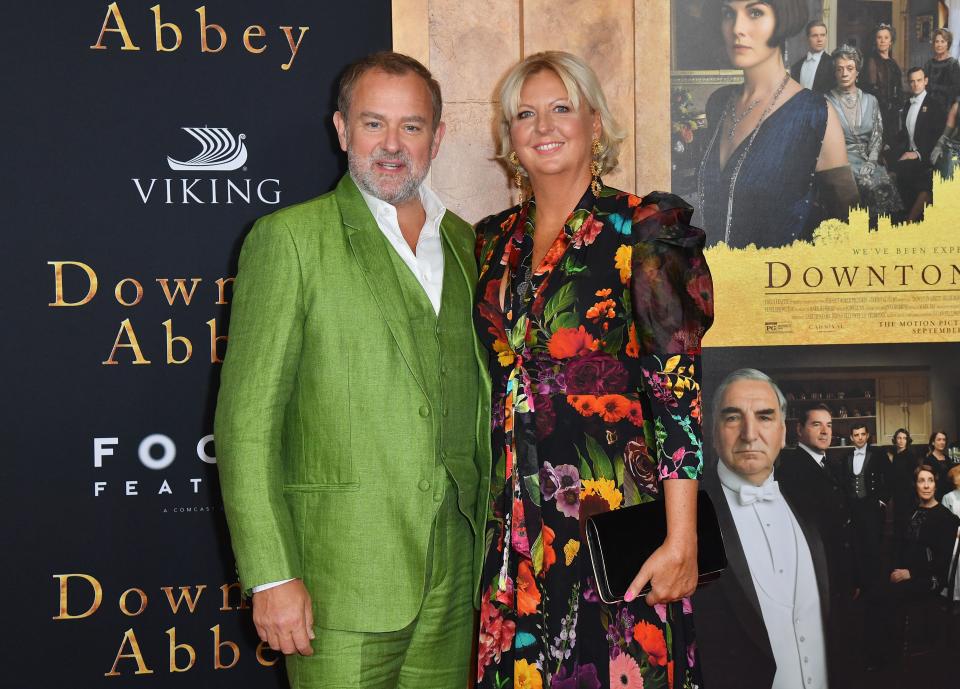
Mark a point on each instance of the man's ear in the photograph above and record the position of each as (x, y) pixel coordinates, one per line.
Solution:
(341, 126)
(437, 138)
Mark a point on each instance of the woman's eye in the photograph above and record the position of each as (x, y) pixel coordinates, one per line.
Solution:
(524, 114)
(561, 108)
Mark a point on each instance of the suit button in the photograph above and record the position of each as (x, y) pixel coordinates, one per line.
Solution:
(438, 497)
(424, 411)
(446, 412)
(424, 485)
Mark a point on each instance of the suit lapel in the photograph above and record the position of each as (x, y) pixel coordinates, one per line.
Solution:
(462, 249)
(817, 554)
(370, 248)
(737, 581)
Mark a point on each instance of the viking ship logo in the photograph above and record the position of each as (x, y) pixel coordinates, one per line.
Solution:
(221, 150)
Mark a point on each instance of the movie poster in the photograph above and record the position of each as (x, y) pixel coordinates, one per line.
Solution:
(828, 218)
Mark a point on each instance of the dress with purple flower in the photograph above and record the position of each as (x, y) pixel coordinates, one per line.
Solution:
(594, 360)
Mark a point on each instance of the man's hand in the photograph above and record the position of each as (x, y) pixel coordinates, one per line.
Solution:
(910, 155)
(284, 617)
(898, 575)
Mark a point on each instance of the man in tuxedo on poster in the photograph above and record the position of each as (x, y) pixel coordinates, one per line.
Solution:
(766, 623)
(352, 423)
(807, 477)
(863, 479)
(814, 70)
(921, 123)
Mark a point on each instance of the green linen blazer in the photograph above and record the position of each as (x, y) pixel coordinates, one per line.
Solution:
(320, 439)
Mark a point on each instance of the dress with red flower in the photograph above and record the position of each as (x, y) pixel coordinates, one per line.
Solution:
(594, 358)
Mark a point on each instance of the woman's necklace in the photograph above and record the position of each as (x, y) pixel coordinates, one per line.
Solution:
(743, 156)
(850, 102)
(735, 119)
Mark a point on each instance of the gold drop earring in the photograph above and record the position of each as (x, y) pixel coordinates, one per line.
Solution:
(595, 168)
(517, 174)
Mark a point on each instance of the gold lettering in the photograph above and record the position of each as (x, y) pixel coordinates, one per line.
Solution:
(204, 27)
(184, 594)
(123, 602)
(294, 47)
(215, 340)
(97, 596)
(253, 31)
(262, 648)
(221, 290)
(218, 645)
(171, 339)
(126, 327)
(225, 590)
(179, 289)
(58, 299)
(159, 26)
(118, 291)
(175, 647)
(134, 654)
(121, 28)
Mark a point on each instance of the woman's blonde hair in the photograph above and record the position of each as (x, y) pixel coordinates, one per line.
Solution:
(581, 83)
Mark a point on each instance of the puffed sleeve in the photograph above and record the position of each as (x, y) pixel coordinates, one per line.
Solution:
(672, 299)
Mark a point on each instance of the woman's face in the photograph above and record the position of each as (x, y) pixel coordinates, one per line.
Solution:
(900, 441)
(940, 46)
(884, 40)
(940, 442)
(926, 486)
(747, 28)
(548, 134)
(846, 73)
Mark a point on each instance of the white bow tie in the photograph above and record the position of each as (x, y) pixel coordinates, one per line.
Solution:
(812, 57)
(914, 99)
(861, 451)
(751, 494)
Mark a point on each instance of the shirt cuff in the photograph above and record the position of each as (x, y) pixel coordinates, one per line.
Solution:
(264, 587)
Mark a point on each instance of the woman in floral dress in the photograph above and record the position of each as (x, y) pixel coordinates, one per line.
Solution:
(592, 303)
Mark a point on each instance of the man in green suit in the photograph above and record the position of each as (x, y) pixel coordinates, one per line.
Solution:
(352, 424)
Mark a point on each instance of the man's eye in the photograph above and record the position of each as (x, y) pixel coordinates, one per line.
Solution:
(412, 128)
(372, 125)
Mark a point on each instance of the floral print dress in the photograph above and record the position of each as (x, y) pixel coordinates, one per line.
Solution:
(595, 365)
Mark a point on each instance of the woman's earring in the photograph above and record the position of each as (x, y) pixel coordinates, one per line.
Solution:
(596, 168)
(517, 175)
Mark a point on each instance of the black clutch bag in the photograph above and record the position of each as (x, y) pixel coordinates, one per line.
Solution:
(621, 540)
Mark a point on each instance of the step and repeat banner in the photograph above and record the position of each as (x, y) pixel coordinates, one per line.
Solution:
(142, 139)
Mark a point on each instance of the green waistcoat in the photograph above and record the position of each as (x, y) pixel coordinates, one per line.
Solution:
(445, 349)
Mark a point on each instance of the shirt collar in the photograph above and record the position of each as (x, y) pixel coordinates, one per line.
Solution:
(386, 214)
(919, 97)
(733, 481)
(820, 457)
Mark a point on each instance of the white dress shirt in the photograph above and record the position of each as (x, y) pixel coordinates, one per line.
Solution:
(818, 456)
(808, 71)
(859, 457)
(781, 568)
(916, 102)
(426, 264)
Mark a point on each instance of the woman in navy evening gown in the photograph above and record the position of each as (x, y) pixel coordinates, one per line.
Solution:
(775, 163)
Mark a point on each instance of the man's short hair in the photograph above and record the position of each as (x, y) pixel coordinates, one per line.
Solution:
(812, 23)
(396, 64)
(857, 426)
(805, 413)
(746, 374)
(915, 69)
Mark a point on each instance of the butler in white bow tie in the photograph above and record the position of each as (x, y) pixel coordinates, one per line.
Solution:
(814, 70)
(763, 625)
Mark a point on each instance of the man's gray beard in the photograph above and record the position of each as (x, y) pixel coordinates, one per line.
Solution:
(363, 174)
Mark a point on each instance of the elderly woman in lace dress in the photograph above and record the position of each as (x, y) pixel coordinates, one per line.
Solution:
(862, 125)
